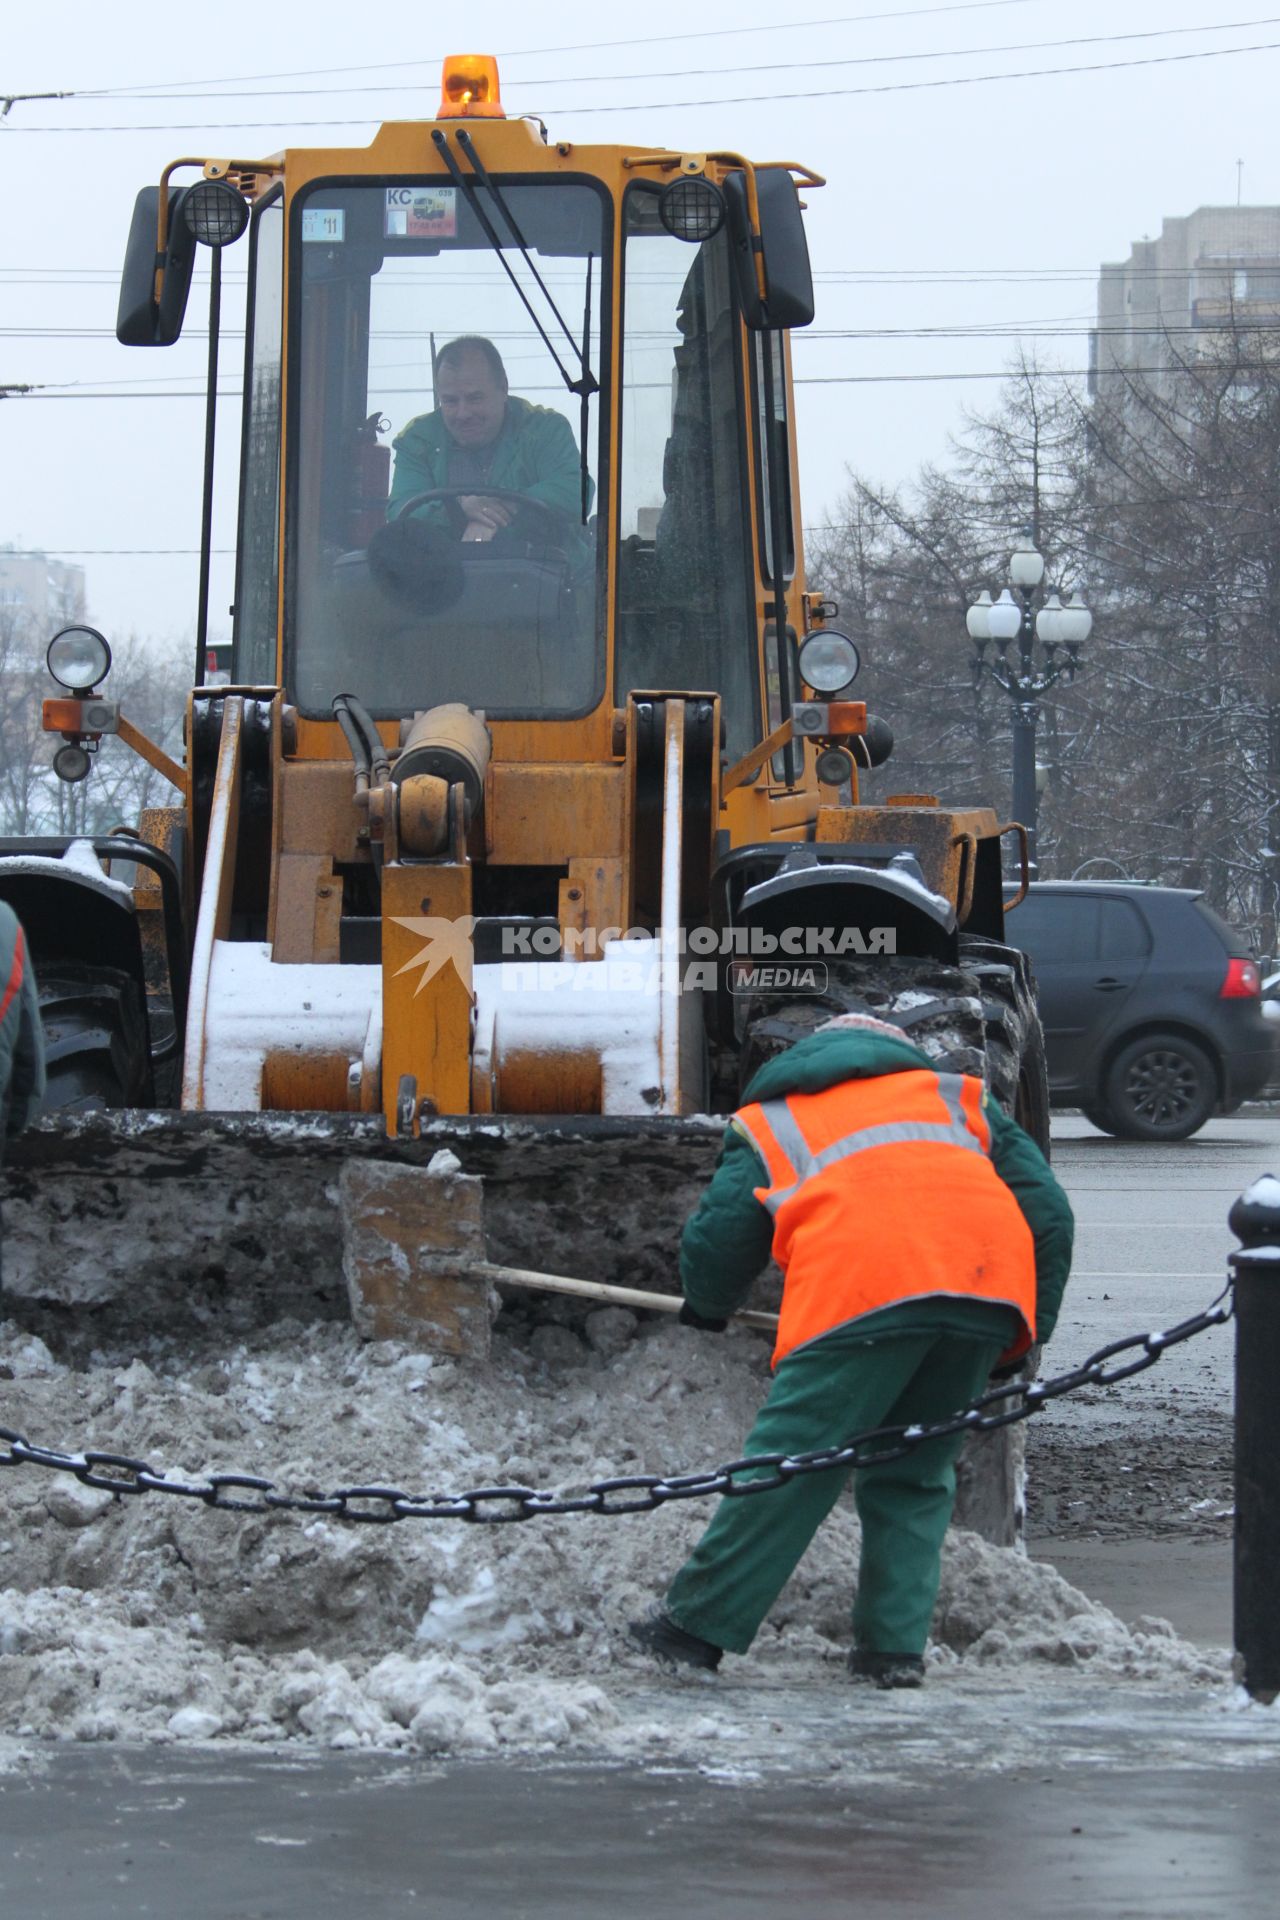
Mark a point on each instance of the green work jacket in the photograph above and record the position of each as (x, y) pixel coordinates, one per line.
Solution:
(535, 454)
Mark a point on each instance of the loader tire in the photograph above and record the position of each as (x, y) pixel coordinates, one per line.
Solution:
(1016, 1072)
(978, 1018)
(97, 1042)
(938, 1007)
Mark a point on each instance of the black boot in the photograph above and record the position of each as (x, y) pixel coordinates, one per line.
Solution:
(661, 1636)
(887, 1669)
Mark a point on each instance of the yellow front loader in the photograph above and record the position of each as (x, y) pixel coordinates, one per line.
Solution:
(529, 821)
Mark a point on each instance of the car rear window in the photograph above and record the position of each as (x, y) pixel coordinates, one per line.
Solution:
(1122, 931)
(1234, 942)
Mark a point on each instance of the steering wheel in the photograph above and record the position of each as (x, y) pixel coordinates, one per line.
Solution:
(553, 516)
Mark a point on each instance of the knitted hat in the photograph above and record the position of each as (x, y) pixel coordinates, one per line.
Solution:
(860, 1023)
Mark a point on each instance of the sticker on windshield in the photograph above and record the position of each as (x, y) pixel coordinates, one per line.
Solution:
(422, 213)
(326, 224)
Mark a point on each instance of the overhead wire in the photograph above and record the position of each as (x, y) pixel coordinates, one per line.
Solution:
(915, 86)
(892, 275)
(1044, 329)
(586, 46)
(1116, 369)
(810, 95)
(772, 66)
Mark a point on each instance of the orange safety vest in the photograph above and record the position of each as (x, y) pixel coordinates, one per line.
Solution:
(883, 1190)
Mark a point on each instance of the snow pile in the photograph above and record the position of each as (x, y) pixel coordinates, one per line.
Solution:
(1000, 1609)
(153, 1618)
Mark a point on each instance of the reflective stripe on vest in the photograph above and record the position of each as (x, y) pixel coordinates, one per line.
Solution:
(953, 1133)
(13, 985)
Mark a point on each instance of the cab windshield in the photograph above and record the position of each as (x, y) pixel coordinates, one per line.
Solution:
(446, 477)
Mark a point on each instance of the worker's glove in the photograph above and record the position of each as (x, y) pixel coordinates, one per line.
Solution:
(688, 1318)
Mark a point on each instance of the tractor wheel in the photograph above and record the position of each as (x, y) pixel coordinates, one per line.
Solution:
(97, 1042)
(938, 1007)
(1016, 1071)
(978, 1018)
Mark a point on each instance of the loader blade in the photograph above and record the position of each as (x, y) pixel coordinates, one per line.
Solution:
(241, 1217)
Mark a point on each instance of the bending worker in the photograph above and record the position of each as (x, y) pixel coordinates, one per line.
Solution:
(924, 1244)
(483, 435)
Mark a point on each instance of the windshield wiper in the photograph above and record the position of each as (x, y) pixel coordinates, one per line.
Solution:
(586, 383)
(586, 379)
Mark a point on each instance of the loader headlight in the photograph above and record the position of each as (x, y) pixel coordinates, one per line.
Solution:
(78, 658)
(691, 209)
(71, 763)
(833, 766)
(215, 212)
(829, 661)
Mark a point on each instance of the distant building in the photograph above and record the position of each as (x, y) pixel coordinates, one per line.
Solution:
(48, 592)
(1210, 272)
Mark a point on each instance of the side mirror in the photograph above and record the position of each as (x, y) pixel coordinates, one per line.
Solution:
(788, 276)
(141, 319)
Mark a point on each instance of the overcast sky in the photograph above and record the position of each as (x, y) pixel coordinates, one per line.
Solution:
(964, 212)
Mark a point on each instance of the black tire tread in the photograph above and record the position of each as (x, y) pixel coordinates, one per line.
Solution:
(978, 1018)
(1017, 1073)
(937, 1006)
(97, 1042)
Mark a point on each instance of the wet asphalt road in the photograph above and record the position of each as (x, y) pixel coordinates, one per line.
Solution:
(115, 1836)
(231, 1835)
(1151, 1245)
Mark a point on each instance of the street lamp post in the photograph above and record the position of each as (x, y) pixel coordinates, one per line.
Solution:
(1060, 627)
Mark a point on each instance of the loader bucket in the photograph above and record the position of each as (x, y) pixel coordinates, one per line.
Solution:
(248, 1218)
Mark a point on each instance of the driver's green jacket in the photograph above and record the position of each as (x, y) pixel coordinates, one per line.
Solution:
(535, 454)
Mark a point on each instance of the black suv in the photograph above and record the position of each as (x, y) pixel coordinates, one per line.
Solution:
(1151, 1005)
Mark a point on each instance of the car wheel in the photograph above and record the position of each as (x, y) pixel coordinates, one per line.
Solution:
(1160, 1087)
(1099, 1117)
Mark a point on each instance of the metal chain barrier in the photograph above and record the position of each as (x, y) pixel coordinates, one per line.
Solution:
(119, 1473)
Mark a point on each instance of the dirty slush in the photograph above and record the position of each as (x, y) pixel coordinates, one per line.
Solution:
(148, 1619)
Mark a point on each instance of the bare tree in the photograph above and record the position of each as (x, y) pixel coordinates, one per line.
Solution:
(1164, 756)
(1185, 526)
(907, 565)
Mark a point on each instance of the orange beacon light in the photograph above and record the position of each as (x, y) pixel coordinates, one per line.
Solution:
(469, 88)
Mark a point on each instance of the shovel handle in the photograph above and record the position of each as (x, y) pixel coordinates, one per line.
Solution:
(598, 1290)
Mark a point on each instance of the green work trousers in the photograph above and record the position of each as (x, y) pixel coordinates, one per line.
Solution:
(821, 1396)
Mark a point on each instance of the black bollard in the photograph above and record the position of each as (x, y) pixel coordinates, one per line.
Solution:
(1255, 1221)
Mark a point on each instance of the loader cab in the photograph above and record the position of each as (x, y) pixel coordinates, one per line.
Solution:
(631, 468)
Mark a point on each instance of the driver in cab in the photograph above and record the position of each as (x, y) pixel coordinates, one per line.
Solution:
(481, 435)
